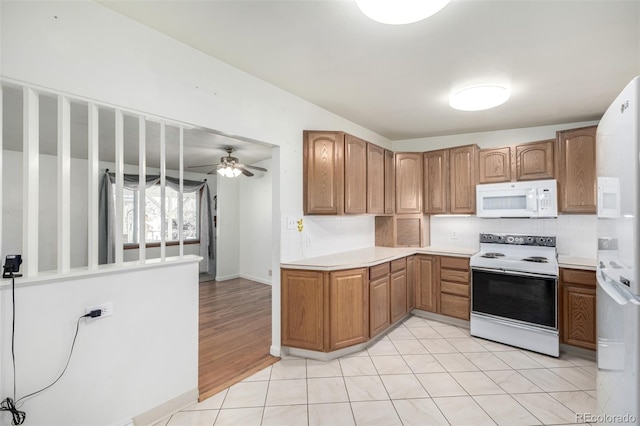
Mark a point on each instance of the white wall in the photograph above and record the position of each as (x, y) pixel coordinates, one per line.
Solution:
(255, 233)
(227, 230)
(123, 365)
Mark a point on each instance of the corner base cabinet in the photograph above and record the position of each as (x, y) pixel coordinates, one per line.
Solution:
(324, 311)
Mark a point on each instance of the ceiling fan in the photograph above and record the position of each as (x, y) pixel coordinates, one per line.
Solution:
(230, 166)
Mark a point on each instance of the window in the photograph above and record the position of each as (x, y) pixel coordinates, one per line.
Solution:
(153, 215)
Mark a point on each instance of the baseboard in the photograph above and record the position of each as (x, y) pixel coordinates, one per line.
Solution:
(166, 409)
(275, 350)
(440, 318)
(226, 277)
(256, 279)
(246, 277)
(581, 352)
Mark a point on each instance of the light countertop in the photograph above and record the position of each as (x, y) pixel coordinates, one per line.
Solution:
(577, 263)
(364, 258)
(370, 256)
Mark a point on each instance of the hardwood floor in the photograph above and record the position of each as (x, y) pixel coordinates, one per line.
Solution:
(235, 333)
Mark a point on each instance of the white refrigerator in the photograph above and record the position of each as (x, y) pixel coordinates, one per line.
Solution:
(618, 291)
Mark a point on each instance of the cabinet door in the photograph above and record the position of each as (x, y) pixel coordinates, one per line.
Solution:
(436, 182)
(398, 295)
(494, 165)
(427, 280)
(375, 179)
(389, 182)
(379, 312)
(576, 167)
(411, 283)
(535, 161)
(578, 308)
(302, 309)
(408, 182)
(462, 179)
(348, 304)
(355, 175)
(579, 316)
(323, 173)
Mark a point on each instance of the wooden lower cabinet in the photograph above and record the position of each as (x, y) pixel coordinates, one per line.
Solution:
(398, 289)
(578, 308)
(303, 298)
(454, 287)
(324, 311)
(348, 301)
(379, 315)
(411, 283)
(427, 279)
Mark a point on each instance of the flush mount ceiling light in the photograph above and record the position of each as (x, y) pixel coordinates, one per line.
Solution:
(397, 12)
(477, 98)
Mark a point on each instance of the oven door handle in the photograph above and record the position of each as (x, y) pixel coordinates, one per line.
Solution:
(510, 272)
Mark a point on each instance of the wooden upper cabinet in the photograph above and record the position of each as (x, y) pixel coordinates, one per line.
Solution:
(375, 179)
(389, 182)
(494, 165)
(462, 179)
(408, 182)
(534, 160)
(323, 173)
(355, 175)
(576, 170)
(348, 307)
(436, 182)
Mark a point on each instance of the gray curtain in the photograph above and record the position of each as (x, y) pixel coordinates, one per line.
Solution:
(106, 217)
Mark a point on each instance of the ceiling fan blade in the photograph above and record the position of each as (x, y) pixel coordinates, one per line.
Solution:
(201, 165)
(262, 169)
(243, 170)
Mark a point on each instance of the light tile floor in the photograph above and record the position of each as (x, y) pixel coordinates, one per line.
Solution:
(422, 372)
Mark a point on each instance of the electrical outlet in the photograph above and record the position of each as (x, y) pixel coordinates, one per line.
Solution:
(106, 308)
(270, 272)
(308, 240)
(454, 235)
(291, 223)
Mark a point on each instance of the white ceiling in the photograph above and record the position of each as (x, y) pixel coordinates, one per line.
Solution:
(565, 61)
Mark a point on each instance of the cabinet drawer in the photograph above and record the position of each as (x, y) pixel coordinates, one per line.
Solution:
(378, 271)
(579, 277)
(454, 275)
(454, 306)
(454, 262)
(399, 264)
(454, 288)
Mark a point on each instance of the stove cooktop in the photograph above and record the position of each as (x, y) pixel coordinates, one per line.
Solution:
(517, 253)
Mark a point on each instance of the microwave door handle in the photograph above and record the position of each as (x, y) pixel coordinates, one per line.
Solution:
(532, 200)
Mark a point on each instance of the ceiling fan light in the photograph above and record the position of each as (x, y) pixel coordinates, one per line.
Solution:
(477, 98)
(398, 12)
(235, 172)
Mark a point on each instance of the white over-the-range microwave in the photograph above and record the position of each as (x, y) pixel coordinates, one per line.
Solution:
(535, 199)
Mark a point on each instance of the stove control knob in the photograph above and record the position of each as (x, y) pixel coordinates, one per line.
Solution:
(510, 239)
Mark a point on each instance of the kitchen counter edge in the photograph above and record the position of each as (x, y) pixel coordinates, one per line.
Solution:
(364, 258)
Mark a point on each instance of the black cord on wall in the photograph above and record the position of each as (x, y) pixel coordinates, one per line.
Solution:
(10, 404)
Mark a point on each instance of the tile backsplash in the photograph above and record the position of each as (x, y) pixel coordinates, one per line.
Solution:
(325, 235)
(575, 234)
